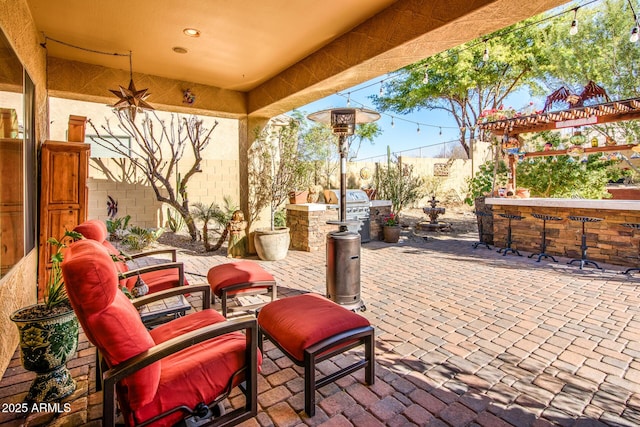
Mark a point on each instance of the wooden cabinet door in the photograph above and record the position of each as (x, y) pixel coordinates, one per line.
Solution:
(63, 196)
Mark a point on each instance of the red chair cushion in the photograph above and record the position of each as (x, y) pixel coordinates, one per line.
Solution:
(93, 229)
(156, 280)
(234, 273)
(301, 321)
(209, 366)
(107, 316)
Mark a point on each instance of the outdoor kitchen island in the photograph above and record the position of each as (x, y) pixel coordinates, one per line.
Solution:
(308, 223)
(614, 239)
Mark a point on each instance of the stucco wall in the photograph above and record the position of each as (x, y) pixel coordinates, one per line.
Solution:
(449, 188)
(135, 197)
(18, 288)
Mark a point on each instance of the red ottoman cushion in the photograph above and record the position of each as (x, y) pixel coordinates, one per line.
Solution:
(301, 321)
(234, 273)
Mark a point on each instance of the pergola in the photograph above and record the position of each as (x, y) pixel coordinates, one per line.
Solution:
(608, 112)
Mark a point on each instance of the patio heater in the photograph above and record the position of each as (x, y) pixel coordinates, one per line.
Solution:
(343, 246)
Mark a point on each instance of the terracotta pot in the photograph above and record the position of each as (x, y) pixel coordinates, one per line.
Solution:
(391, 233)
(298, 197)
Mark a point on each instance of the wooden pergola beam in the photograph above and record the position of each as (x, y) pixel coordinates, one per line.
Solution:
(608, 112)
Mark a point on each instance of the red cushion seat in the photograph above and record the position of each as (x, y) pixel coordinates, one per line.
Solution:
(209, 365)
(301, 321)
(234, 273)
(199, 373)
(240, 278)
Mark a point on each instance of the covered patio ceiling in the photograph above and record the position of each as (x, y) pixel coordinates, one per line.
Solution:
(256, 58)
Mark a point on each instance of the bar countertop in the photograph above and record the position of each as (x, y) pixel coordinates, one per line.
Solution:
(612, 204)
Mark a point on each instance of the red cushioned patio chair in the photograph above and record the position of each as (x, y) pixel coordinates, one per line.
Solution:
(158, 277)
(182, 369)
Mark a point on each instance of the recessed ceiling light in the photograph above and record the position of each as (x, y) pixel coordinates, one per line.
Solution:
(191, 32)
(179, 49)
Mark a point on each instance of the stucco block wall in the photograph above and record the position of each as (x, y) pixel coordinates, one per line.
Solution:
(450, 188)
(220, 174)
(218, 179)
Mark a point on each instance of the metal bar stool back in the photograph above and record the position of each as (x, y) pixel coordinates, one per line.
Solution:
(583, 246)
(543, 245)
(633, 227)
(481, 215)
(508, 248)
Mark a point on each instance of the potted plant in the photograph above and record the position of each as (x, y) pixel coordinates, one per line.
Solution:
(275, 169)
(49, 334)
(391, 228)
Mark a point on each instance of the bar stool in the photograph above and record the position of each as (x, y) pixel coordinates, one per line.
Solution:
(543, 246)
(634, 227)
(583, 247)
(481, 215)
(508, 248)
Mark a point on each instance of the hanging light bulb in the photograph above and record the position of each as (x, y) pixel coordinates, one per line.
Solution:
(574, 24)
(381, 89)
(485, 55)
(349, 99)
(425, 79)
(634, 34)
(392, 123)
(633, 38)
(418, 130)
(440, 131)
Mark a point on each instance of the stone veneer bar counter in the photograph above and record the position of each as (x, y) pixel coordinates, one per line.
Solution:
(309, 228)
(608, 240)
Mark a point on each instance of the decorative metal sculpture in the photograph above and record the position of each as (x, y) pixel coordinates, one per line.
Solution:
(590, 91)
(131, 99)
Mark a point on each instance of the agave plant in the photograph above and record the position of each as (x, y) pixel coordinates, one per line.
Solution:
(55, 292)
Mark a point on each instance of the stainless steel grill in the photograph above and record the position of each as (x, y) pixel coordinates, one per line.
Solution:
(358, 209)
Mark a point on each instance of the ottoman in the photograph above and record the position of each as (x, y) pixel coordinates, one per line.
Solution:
(309, 329)
(240, 278)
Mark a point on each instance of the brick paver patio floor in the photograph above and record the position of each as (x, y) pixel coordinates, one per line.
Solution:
(464, 338)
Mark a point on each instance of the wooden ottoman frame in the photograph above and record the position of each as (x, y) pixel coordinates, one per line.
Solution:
(326, 349)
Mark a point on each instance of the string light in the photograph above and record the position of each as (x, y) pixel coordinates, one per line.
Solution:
(381, 89)
(634, 31)
(425, 79)
(486, 57)
(418, 130)
(574, 24)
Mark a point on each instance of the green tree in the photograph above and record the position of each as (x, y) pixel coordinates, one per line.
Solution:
(275, 168)
(601, 52)
(398, 182)
(566, 176)
(462, 83)
(319, 146)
